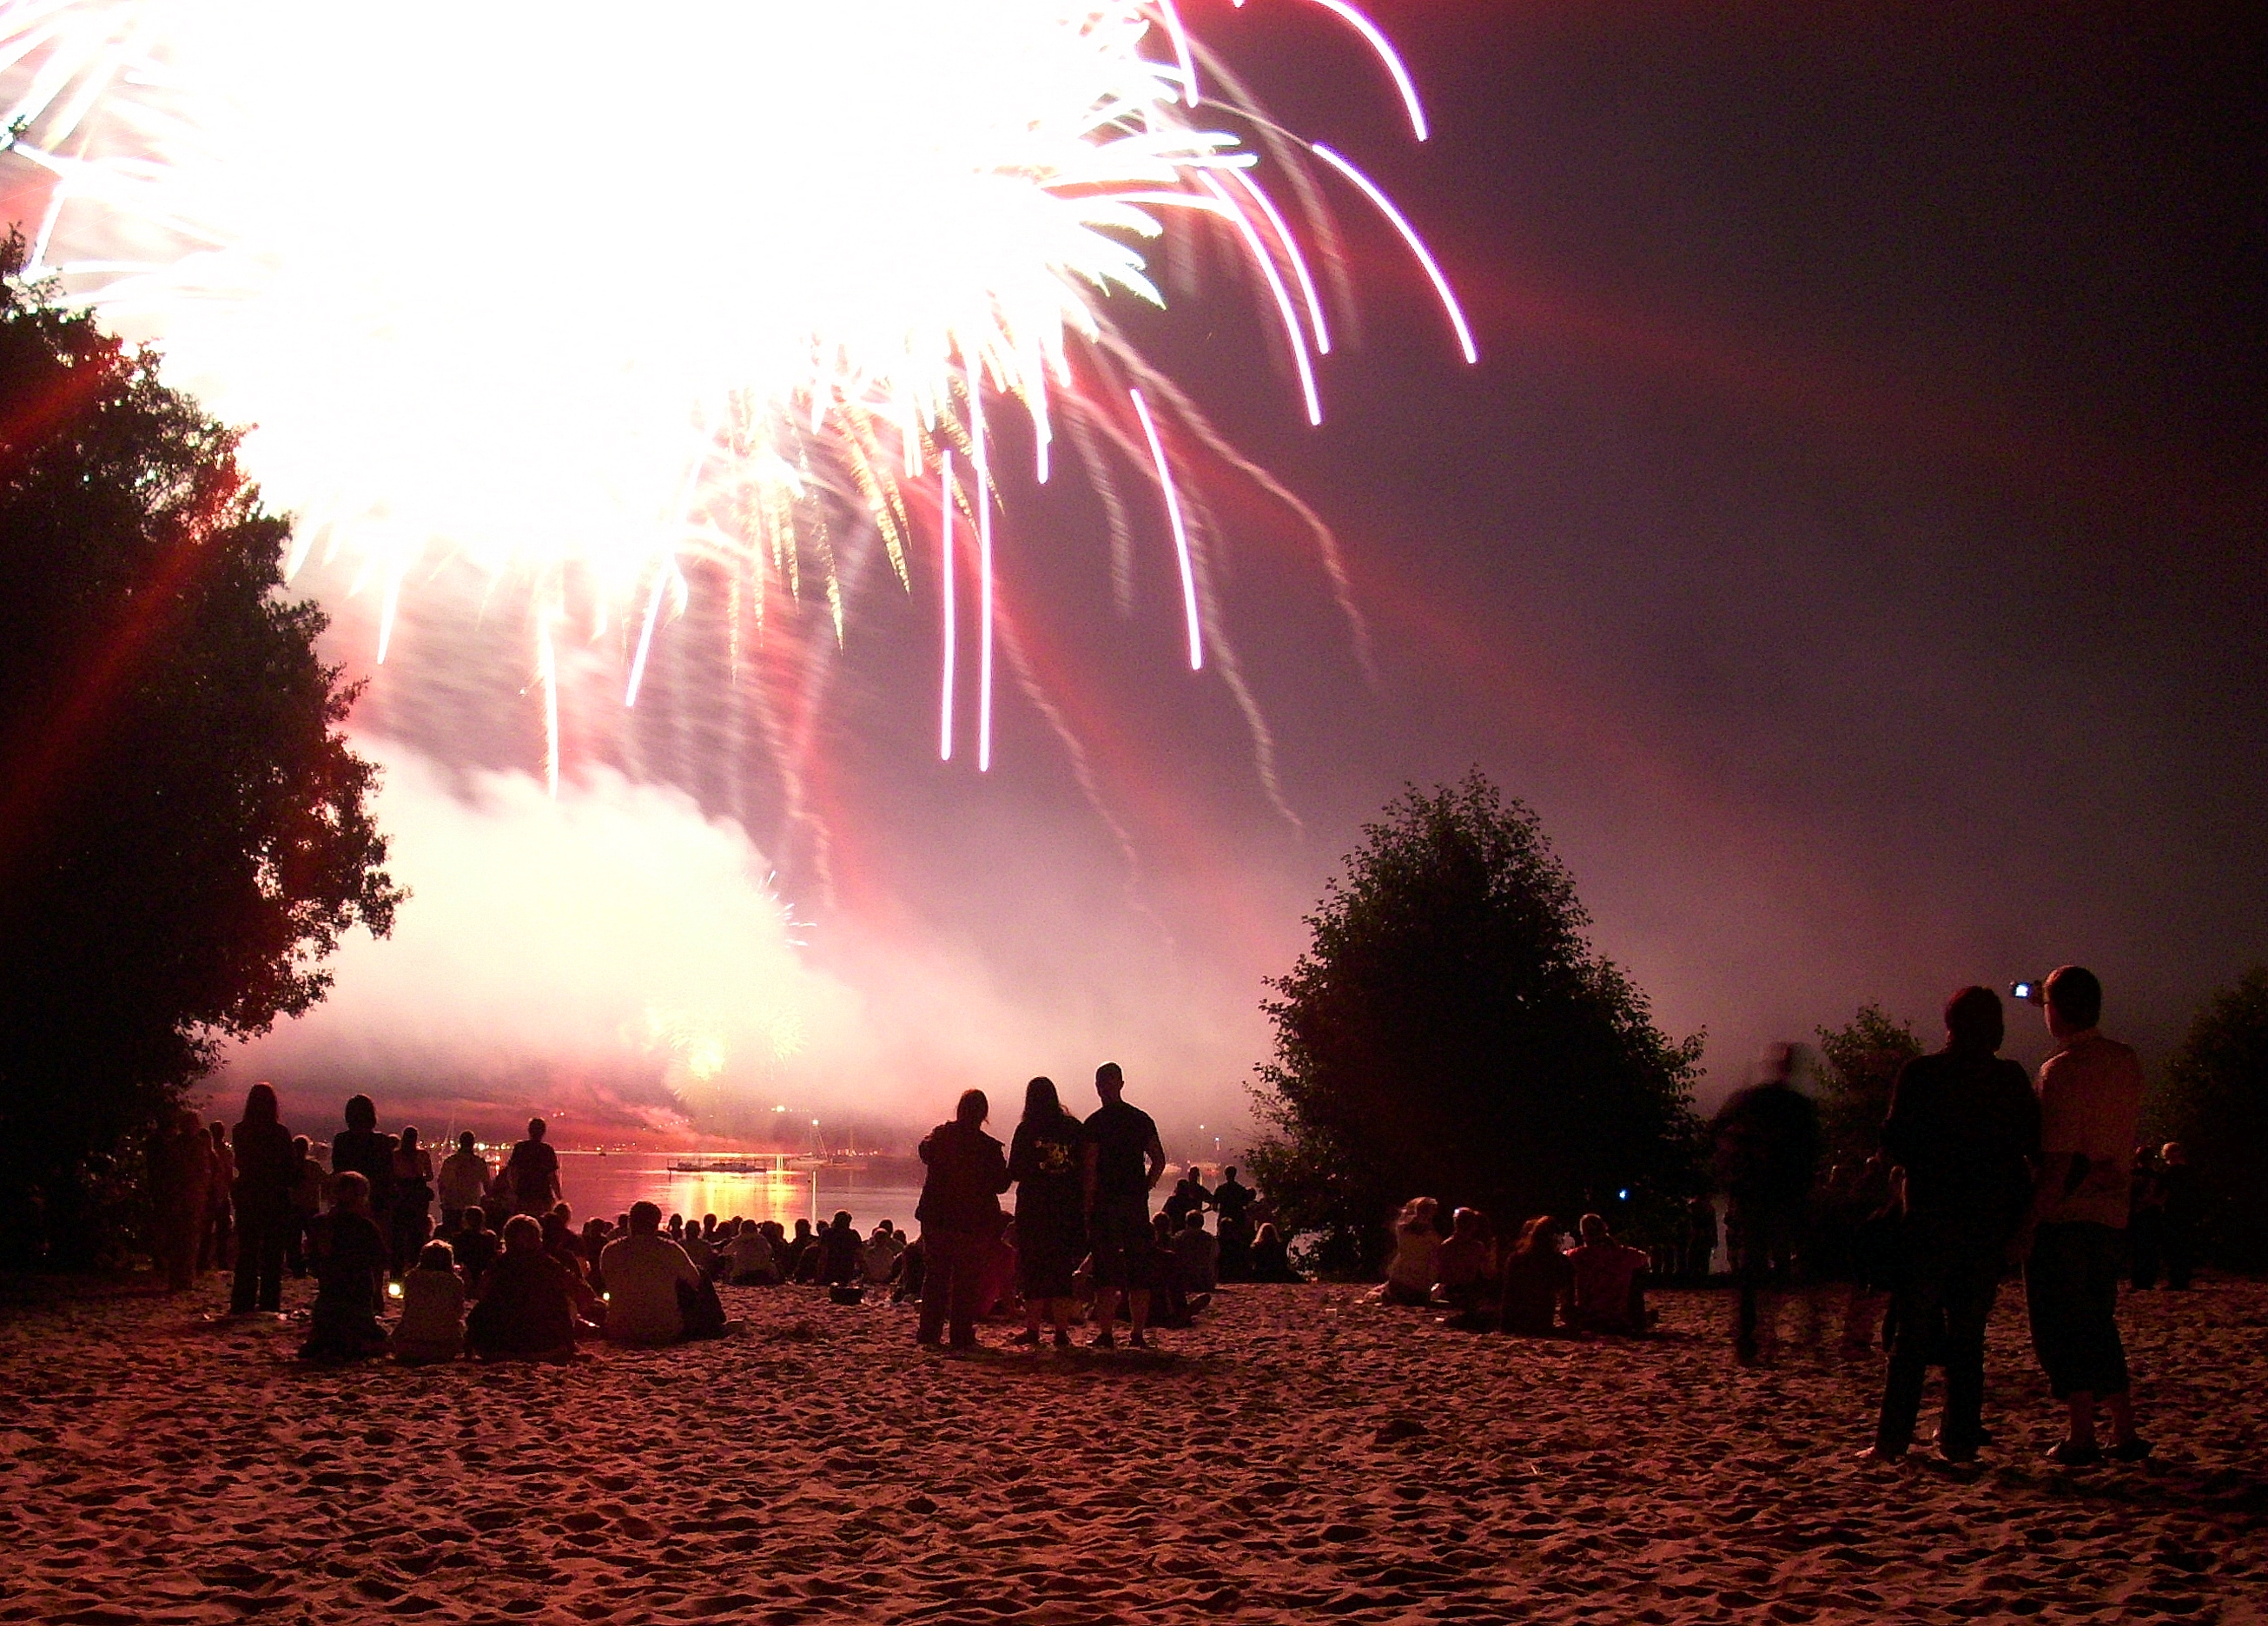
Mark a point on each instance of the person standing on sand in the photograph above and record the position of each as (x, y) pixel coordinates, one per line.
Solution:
(2090, 1099)
(961, 1220)
(534, 1170)
(266, 1168)
(1122, 1162)
(181, 1166)
(1046, 1160)
(1766, 1144)
(1700, 1239)
(360, 1149)
(464, 1177)
(1965, 1126)
(214, 1248)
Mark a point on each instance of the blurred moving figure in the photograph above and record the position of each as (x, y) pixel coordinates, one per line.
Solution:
(1766, 1142)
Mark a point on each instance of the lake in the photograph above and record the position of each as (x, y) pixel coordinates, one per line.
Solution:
(608, 1185)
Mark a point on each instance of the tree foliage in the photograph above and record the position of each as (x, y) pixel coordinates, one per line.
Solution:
(1863, 1057)
(184, 833)
(2216, 1102)
(1450, 1032)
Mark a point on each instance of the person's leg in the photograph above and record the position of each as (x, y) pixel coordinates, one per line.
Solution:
(1909, 1365)
(271, 1263)
(937, 1286)
(971, 1276)
(1971, 1288)
(243, 1284)
(1137, 1310)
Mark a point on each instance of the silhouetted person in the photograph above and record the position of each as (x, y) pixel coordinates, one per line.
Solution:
(1196, 1256)
(2090, 1099)
(1122, 1159)
(1232, 1201)
(1610, 1295)
(841, 1248)
(2146, 1214)
(432, 1324)
(361, 1149)
(1465, 1264)
(465, 1177)
(645, 1271)
(476, 1246)
(1537, 1282)
(534, 1169)
(961, 1217)
(409, 1223)
(748, 1261)
(215, 1251)
(307, 1180)
(350, 1277)
(1045, 1160)
(526, 1306)
(1271, 1257)
(267, 1169)
(792, 1253)
(1965, 1126)
(1765, 1139)
(181, 1169)
(1416, 1265)
(2177, 1236)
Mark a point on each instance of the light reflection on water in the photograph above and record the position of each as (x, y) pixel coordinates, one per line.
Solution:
(608, 1185)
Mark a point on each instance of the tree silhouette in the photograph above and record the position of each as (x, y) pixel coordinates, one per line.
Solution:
(1863, 1057)
(184, 834)
(1450, 1032)
(2216, 1102)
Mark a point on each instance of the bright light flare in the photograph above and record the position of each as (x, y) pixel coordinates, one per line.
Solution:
(614, 302)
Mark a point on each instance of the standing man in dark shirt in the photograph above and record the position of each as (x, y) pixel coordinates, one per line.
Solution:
(1965, 1126)
(535, 1168)
(1766, 1142)
(1123, 1161)
(360, 1149)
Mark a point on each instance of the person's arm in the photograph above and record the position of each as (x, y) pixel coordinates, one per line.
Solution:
(1089, 1156)
(1154, 1155)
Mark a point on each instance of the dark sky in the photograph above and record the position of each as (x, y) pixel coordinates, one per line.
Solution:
(1848, 545)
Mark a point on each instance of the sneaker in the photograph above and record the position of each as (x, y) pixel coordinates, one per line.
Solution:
(1103, 1340)
(1063, 1341)
(2069, 1454)
(1136, 1341)
(2133, 1450)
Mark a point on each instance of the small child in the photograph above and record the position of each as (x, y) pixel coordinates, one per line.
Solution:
(432, 1324)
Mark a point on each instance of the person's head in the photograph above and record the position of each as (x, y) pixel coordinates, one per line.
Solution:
(561, 1212)
(260, 1105)
(2172, 1155)
(1110, 1081)
(535, 1128)
(843, 1219)
(803, 1227)
(1041, 1102)
(1162, 1226)
(970, 1111)
(676, 1225)
(350, 1194)
(186, 1122)
(522, 1235)
(1467, 1222)
(218, 1131)
(1194, 1220)
(1974, 1022)
(437, 1256)
(301, 1147)
(1228, 1175)
(408, 1138)
(1419, 1212)
(1268, 1236)
(464, 1142)
(361, 1113)
(645, 1218)
(1594, 1227)
(2145, 1156)
(1535, 1234)
(473, 1218)
(2074, 1000)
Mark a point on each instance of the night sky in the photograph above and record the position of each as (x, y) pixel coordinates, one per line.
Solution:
(1847, 545)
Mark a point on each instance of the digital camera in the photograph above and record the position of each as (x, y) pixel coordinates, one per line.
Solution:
(2031, 991)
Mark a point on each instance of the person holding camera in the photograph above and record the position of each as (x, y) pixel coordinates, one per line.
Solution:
(2090, 1101)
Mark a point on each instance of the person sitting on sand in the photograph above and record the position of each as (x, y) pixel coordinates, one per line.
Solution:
(791, 1255)
(1271, 1257)
(878, 1260)
(1465, 1265)
(839, 1249)
(526, 1304)
(432, 1325)
(1537, 1282)
(1173, 1303)
(476, 1246)
(748, 1261)
(1196, 1256)
(695, 1245)
(644, 1271)
(350, 1277)
(1415, 1268)
(1610, 1281)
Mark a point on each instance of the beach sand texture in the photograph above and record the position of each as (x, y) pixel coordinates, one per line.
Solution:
(1301, 1455)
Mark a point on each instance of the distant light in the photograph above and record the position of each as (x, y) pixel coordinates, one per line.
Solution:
(394, 1289)
(1623, 1193)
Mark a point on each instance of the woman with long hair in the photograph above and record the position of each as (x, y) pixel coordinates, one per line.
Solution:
(267, 1169)
(1415, 1268)
(1043, 1160)
(1538, 1281)
(960, 1218)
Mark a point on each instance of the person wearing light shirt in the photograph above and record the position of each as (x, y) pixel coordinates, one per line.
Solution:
(464, 1180)
(642, 1271)
(2090, 1101)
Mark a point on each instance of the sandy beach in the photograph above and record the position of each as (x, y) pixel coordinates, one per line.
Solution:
(1300, 1456)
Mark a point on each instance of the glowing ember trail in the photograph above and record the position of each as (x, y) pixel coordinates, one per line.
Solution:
(620, 305)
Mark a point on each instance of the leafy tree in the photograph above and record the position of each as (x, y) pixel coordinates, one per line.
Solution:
(1863, 1057)
(1450, 1032)
(184, 834)
(2216, 1102)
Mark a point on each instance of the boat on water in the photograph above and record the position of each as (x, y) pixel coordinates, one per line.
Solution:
(767, 1163)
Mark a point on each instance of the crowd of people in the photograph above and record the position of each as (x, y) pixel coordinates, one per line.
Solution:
(502, 1271)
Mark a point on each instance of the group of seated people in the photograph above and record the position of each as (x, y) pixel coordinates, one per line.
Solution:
(1534, 1285)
